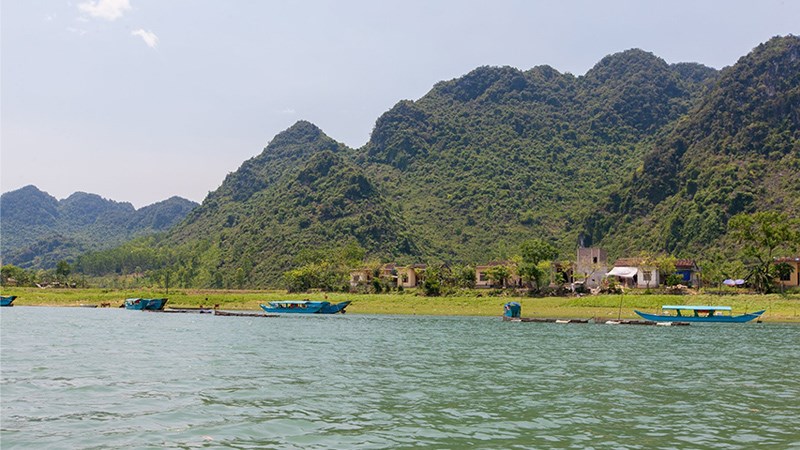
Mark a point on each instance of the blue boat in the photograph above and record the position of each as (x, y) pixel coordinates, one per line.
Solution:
(7, 300)
(151, 304)
(699, 314)
(305, 307)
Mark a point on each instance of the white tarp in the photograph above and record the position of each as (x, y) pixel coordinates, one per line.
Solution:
(624, 272)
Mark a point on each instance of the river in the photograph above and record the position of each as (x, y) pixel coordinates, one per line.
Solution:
(109, 378)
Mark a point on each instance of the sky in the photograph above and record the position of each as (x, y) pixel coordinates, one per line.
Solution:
(141, 100)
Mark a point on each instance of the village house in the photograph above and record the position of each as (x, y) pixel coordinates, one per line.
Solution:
(360, 276)
(392, 274)
(633, 272)
(410, 276)
(388, 271)
(793, 278)
(689, 272)
(591, 266)
(482, 279)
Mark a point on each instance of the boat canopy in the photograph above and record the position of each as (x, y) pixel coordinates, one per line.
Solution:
(624, 272)
(697, 308)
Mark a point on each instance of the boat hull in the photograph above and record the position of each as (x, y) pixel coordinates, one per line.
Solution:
(7, 300)
(713, 319)
(306, 308)
(155, 304)
(151, 304)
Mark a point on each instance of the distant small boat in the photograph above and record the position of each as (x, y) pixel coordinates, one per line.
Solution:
(700, 314)
(7, 300)
(305, 307)
(152, 304)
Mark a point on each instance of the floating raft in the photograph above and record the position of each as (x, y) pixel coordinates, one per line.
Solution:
(543, 320)
(640, 322)
(209, 311)
(595, 320)
(238, 314)
(181, 311)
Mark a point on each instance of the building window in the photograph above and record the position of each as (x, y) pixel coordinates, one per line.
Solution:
(594, 260)
(786, 276)
(646, 277)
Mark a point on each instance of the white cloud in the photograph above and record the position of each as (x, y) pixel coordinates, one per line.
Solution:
(78, 31)
(105, 9)
(148, 37)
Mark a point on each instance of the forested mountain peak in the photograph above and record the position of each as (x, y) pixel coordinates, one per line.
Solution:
(619, 67)
(324, 201)
(738, 150)
(477, 82)
(286, 150)
(634, 89)
(303, 136)
(28, 204)
(84, 208)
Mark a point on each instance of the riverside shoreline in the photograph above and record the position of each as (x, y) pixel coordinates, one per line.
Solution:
(780, 308)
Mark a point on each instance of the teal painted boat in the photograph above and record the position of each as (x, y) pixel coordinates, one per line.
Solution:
(699, 314)
(304, 307)
(7, 300)
(151, 304)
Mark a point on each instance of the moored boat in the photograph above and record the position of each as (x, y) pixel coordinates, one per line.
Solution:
(305, 307)
(699, 314)
(7, 300)
(152, 304)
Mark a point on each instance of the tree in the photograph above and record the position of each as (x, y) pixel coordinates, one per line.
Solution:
(761, 235)
(432, 285)
(19, 275)
(666, 265)
(63, 270)
(717, 266)
(535, 251)
(536, 256)
(464, 276)
(499, 275)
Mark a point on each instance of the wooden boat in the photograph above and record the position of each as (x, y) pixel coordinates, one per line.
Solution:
(305, 307)
(152, 304)
(699, 314)
(7, 300)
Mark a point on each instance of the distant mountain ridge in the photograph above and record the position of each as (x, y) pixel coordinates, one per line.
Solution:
(37, 230)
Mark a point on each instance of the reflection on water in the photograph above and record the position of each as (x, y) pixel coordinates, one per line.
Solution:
(99, 378)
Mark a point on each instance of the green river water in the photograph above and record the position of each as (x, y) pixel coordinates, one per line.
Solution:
(109, 378)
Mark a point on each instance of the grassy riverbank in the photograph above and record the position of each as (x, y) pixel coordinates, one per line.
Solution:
(779, 308)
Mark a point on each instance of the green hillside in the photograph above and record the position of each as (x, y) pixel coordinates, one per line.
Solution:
(738, 150)
(298, 195)
(485, 161)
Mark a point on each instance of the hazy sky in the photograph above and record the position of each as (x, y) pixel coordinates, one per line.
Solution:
(140, 100)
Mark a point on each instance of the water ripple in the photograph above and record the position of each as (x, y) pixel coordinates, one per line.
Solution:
(89, 379)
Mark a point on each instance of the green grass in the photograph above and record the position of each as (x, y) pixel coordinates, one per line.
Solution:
(779, 308)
